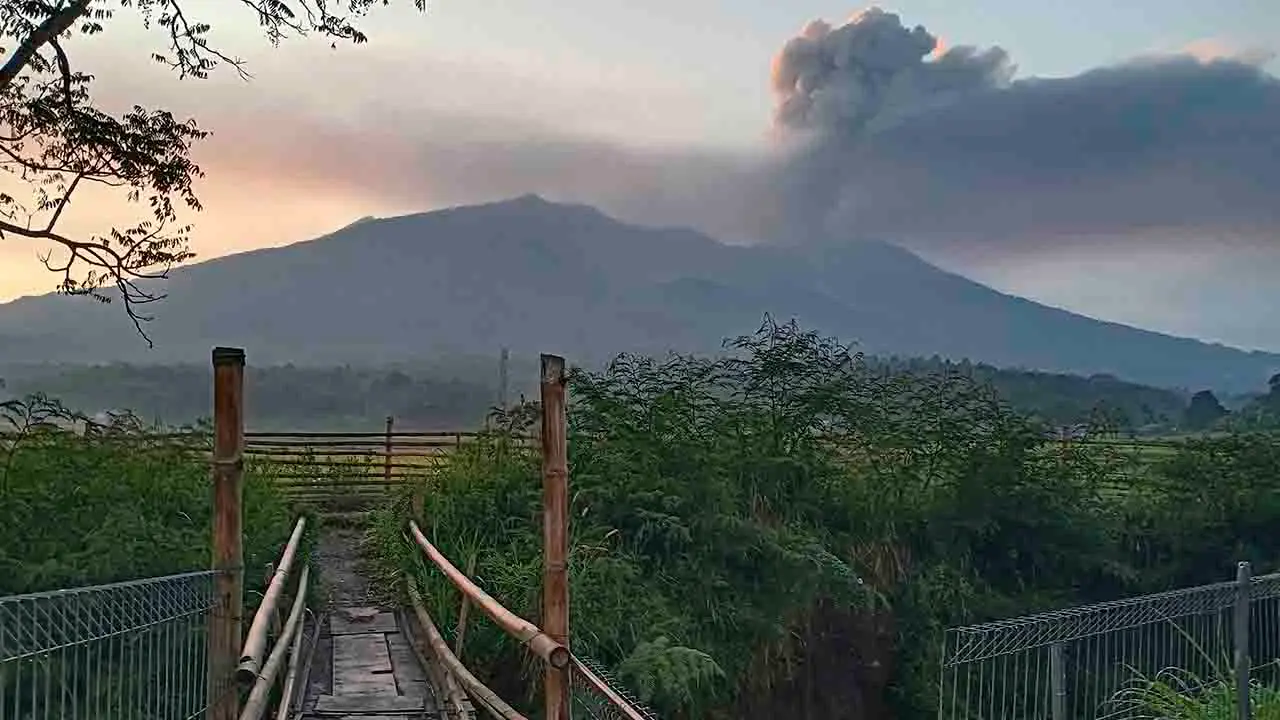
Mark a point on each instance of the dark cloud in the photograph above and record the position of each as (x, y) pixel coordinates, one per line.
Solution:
(1169, 144)
(895, 143)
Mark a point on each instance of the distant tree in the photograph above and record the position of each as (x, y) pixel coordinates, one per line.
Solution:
(54, 140)
(1203, 411)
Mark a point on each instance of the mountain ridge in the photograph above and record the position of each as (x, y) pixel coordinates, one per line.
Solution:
(537, 276)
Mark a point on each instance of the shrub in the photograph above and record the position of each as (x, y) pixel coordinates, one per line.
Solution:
(116, 504)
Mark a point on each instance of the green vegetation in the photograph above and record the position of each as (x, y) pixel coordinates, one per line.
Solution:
(1262, 412)
(1102, 401)
(786, 531)
(120, 504)
(1173, 694)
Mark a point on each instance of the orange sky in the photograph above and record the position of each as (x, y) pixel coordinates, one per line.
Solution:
(321, 137)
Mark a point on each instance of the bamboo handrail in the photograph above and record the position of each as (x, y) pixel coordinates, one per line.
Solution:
(290, 678)
(551, 652)
(476, 689)
(255, 641)
(600, 686)
(261, 692)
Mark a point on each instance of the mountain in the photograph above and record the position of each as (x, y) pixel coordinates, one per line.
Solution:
(538, 276)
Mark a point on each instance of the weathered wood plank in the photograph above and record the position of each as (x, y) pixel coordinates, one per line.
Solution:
(362, 665)
(359, 621)
(403, 660)
(376, 704)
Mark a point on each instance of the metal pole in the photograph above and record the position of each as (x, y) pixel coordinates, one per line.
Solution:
(386, 455)
(228, 540)
(1058, 681)
(502, 378)
(555, 530)
(1240, 626)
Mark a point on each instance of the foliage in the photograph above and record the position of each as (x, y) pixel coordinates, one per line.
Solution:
(745, 508)
(1263, 412)
(808, 522)
(1174, 694)
(1206, 506)
(1203, 411)
(669, 675)
(56, 141)
(1059, 399)
(119, 503)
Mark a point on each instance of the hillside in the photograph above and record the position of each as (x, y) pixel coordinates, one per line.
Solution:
(537, 276)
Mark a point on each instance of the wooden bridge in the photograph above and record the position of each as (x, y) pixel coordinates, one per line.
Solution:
(184, 646)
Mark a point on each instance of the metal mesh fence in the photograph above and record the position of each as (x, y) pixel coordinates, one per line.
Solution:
(133, 650)
(589, 702)
(1118, 659)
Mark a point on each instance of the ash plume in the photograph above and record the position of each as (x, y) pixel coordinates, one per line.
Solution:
(872, 72)
(885, 136)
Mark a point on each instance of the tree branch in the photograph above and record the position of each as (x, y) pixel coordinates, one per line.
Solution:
(47, 31)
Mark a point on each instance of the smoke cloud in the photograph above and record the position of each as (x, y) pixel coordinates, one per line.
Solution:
(872, 72)
(884, 136)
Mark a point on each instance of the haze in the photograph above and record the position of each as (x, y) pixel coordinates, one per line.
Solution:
(663, 113)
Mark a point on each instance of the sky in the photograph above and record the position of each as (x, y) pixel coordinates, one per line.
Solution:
(668, 113)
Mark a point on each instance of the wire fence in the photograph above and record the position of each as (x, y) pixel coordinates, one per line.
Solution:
(1195, 648)
(133, 650)
(591, 701)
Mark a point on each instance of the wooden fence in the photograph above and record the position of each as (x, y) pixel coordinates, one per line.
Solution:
(321, 465)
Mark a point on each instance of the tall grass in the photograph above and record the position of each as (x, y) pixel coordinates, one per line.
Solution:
(122, 503)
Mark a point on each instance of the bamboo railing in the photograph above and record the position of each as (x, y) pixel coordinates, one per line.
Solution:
(550, 652)
(288, 643)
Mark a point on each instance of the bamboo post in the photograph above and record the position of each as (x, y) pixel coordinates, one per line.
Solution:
(386, 451)
(228, 519)
(555, 530)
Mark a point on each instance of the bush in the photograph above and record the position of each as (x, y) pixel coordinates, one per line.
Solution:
(117, 504)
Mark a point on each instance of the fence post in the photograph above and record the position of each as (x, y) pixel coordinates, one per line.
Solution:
(1058, 681)
(228, 518)
(386, 454)
(1240, 626)
(555, 530)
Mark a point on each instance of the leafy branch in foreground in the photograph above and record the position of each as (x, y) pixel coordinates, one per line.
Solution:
(54, 141)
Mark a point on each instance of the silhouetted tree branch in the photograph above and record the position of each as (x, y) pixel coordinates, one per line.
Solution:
(54, 141)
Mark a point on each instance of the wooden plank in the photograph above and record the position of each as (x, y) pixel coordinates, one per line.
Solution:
(375, 704)
(403, 661)
(361, 653)
(362, 665)
(361, 621)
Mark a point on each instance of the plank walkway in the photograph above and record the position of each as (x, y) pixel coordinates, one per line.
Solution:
(374, 672)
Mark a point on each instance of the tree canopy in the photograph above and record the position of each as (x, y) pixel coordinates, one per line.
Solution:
(54, 140)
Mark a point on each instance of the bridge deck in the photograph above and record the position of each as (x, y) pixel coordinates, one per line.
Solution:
(367, 670)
